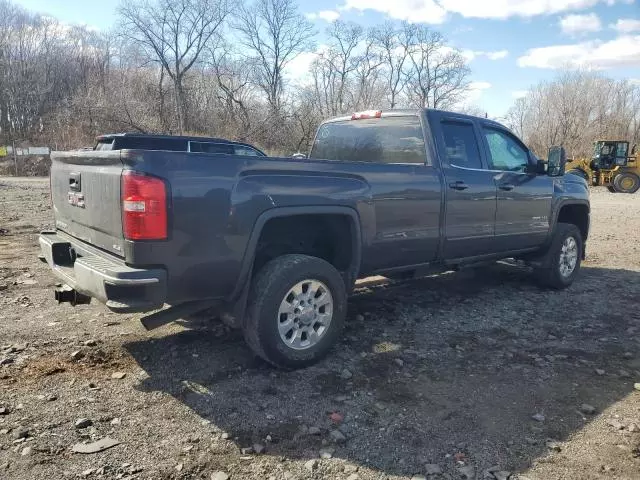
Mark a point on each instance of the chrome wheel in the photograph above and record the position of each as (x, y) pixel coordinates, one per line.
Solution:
(305, 314)
(568, 257)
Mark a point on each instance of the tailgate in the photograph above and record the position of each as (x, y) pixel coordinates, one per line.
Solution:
(85, 189)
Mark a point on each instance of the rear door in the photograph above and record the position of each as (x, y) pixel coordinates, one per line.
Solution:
(523, 199)
(85, 189)
(470, 208)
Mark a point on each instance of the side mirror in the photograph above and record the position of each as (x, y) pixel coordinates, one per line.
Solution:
(556, 162)
(539, 168)
(298, 155)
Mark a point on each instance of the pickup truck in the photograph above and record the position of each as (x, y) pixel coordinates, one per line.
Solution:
(275, 245)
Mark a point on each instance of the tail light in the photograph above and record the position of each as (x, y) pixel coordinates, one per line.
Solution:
(144, 207)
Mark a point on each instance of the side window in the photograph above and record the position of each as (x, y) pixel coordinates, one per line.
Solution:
(461, 145)
(207, 147)
(622, 149)
(505, 152)
(242, 150)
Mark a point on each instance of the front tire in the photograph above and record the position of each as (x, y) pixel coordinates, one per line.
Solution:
(626, 182)
(297, 306)
(563, 258)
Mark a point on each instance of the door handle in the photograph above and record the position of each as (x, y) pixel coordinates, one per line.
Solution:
(506, 186)
(459, 185)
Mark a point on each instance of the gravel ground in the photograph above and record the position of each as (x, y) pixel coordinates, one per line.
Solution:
(478, 374)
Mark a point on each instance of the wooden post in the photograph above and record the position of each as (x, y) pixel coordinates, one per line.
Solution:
(15, 157)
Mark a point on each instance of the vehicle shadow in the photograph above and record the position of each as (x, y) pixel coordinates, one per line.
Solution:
(432, 370)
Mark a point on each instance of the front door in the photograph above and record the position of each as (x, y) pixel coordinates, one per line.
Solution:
(470, 195)
(523, 199)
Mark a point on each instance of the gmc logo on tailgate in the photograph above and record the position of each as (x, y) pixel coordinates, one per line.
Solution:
(76, 199)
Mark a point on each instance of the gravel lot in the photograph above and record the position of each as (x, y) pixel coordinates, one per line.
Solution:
(478, 374)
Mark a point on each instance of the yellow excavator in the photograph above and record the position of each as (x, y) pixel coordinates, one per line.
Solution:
(612, 166)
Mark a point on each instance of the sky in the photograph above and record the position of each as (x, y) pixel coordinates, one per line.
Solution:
(510, 44)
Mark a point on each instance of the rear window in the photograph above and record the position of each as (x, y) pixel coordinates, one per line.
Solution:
(142, 143)
(104, 144)
(376, 140)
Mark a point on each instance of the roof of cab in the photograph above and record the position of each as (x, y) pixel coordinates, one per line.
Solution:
(399, 112)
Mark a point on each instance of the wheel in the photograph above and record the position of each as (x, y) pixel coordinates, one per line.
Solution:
(611, 189)
(297, 305)
(626, 182)
(563, 257)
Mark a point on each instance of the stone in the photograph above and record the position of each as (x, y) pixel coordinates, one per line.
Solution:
(4, 411)
(95, 447)
(468, 472)
(118, 375)
(433, 469)
(327, 453)
(246, 451)
(353, 476)
(219, 476)
(418, 477)
(399, 362)
(77, 355)
(225, 436)
(311, 465)
(21, 433)
(624, 373)
(26, 451)
(587, 409)
(636, 386)
(600, 372)
(633, 427)
(615, 424)
(502, 475)
(314, 431)
(51, 398)
(259, 449)
(116, 421)
(6, 361)
(83, 423)
(538, 417)
(346, 374)
(553, 445)
(359, 318)
(350, 469)
(337, 436)
(90, 343)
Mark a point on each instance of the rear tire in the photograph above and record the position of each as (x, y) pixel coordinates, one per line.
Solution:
(611, 189)
(563, 258)
(626, 182)
(296, 311)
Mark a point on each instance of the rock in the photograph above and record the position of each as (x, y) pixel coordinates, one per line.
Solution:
(636, 386)
(26, 451)
(336, 418)
(3, 286)
(219, 476)
(51, 398)
(353, 476)
(418, 477)
(118, 375)
(6, 361)
(538, 417)
(468, 472)
(350, 469)
(246, 451)
(314, 431)
(433, 469)
(628, 355)
(4, 466)
(116, 421)
(337, 436)
(90, 343)
(21, 433)
(95, 447)
(83, 423)
(624, 373)
(615, 424)
(600, 372)
(4, 411)
(311, 465)
(587, 409)
(359, 318)
(326, 453)
(502, 475)
(179, 467)
(346, 374)
(553, 445)
(399, 362)
(225, 436)
(77, 355)
(258, 448)
(633, 427)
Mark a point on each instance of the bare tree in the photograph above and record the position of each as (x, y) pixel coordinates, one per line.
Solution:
(274, 33)
(174, 33)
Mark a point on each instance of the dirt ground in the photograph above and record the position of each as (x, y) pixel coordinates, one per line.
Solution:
(436, 378)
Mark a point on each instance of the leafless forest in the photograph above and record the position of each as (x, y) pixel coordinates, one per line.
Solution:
(219, 67)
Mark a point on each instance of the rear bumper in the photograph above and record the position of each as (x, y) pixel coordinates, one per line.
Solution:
(103, 276)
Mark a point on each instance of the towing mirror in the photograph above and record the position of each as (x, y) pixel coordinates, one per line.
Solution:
(556, 161)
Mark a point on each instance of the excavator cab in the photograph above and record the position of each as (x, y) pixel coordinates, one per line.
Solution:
(609, 154)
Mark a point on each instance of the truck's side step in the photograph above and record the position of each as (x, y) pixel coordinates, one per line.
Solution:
(171, 314)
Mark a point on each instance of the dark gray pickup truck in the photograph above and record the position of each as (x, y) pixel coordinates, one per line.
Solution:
(275, 245)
